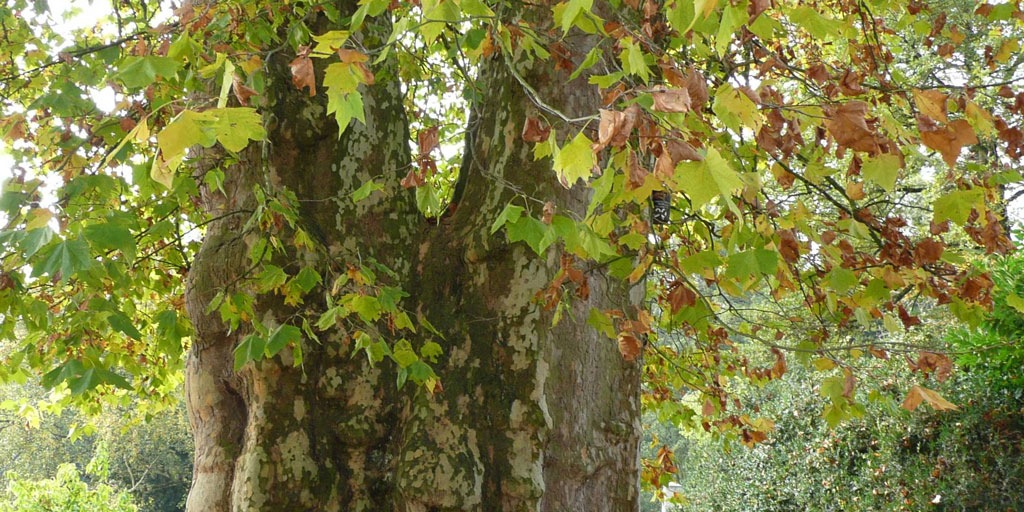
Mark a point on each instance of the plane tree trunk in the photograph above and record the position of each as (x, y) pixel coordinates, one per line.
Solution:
(529, 416)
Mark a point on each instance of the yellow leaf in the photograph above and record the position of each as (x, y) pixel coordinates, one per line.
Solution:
(37, 218)
(932, 103)
(919, 394)
(823, 363)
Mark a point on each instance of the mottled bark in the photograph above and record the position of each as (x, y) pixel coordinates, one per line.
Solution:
(532, 417)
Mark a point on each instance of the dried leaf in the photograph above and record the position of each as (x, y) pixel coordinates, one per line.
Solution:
(615, 127)
(948, 141)
(302, 71)
(779, 368)
(697, 88)
(671, 100)
(928, 251)
(242, 92)
(629, 346)
(848, 126)
(919, 394)
(849, 383)
(680, 295)
(427, 140)
(535, 131)
(789, 247)
(413, 179)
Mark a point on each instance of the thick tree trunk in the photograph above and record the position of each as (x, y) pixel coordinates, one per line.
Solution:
(531, 417)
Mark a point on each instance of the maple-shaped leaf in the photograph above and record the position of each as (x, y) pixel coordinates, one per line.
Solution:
(848, 126)
(575, 161)
(671, 100)
(680, 295)
(705, 180)
(949, 140)
(919, 395)
(302, 71)
(932, 103)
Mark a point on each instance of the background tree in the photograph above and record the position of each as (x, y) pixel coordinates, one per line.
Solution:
(510, 314)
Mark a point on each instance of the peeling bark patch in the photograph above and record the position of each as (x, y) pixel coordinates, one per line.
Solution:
(295, 456)
(300, 409)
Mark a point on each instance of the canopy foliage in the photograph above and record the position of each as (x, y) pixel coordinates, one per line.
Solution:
(827, 166)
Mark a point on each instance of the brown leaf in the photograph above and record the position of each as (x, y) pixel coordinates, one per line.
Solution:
(928, 251)
(708, 409)
(878, 352)
(671, 73)
(818, 73)
(637, 174)
(697, 88)
(948, 141)
(535, 131)
(855, 190)
(756, 7)
(242, 92)
(614, 129)
(848, 126)
(427, 140)
(671, 100)
(849, 383)
(789, 247)
(779, 368)
(412, 179)
(919, 394)
(680, 295)
(629, 346)
(302, 71)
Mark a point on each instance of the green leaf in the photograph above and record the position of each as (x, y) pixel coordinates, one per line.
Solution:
(1015, 301)
(735, 110)
(403, 353)
(307, 278)
(235, 127)
(252, 348)
(510, 214)
(602, 322)
(882, 170)
(754, 262)
(121, 323)
(957, 205)
(431, 351)
(593, 56)
(281, 337)
(842, 280)
(705, 180)
(530, 230)
(633, 61)
(35, 240)
(572, 10)
(365, 190)
(270, 278)
(367, 307)
(575, 161)
(111, 236)
(733, 17)
(68, 257)
(826, 29)
(138, 72)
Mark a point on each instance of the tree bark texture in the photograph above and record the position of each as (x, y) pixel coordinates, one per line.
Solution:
(531, 417)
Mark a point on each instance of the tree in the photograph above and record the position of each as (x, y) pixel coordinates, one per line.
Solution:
(370, 328)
